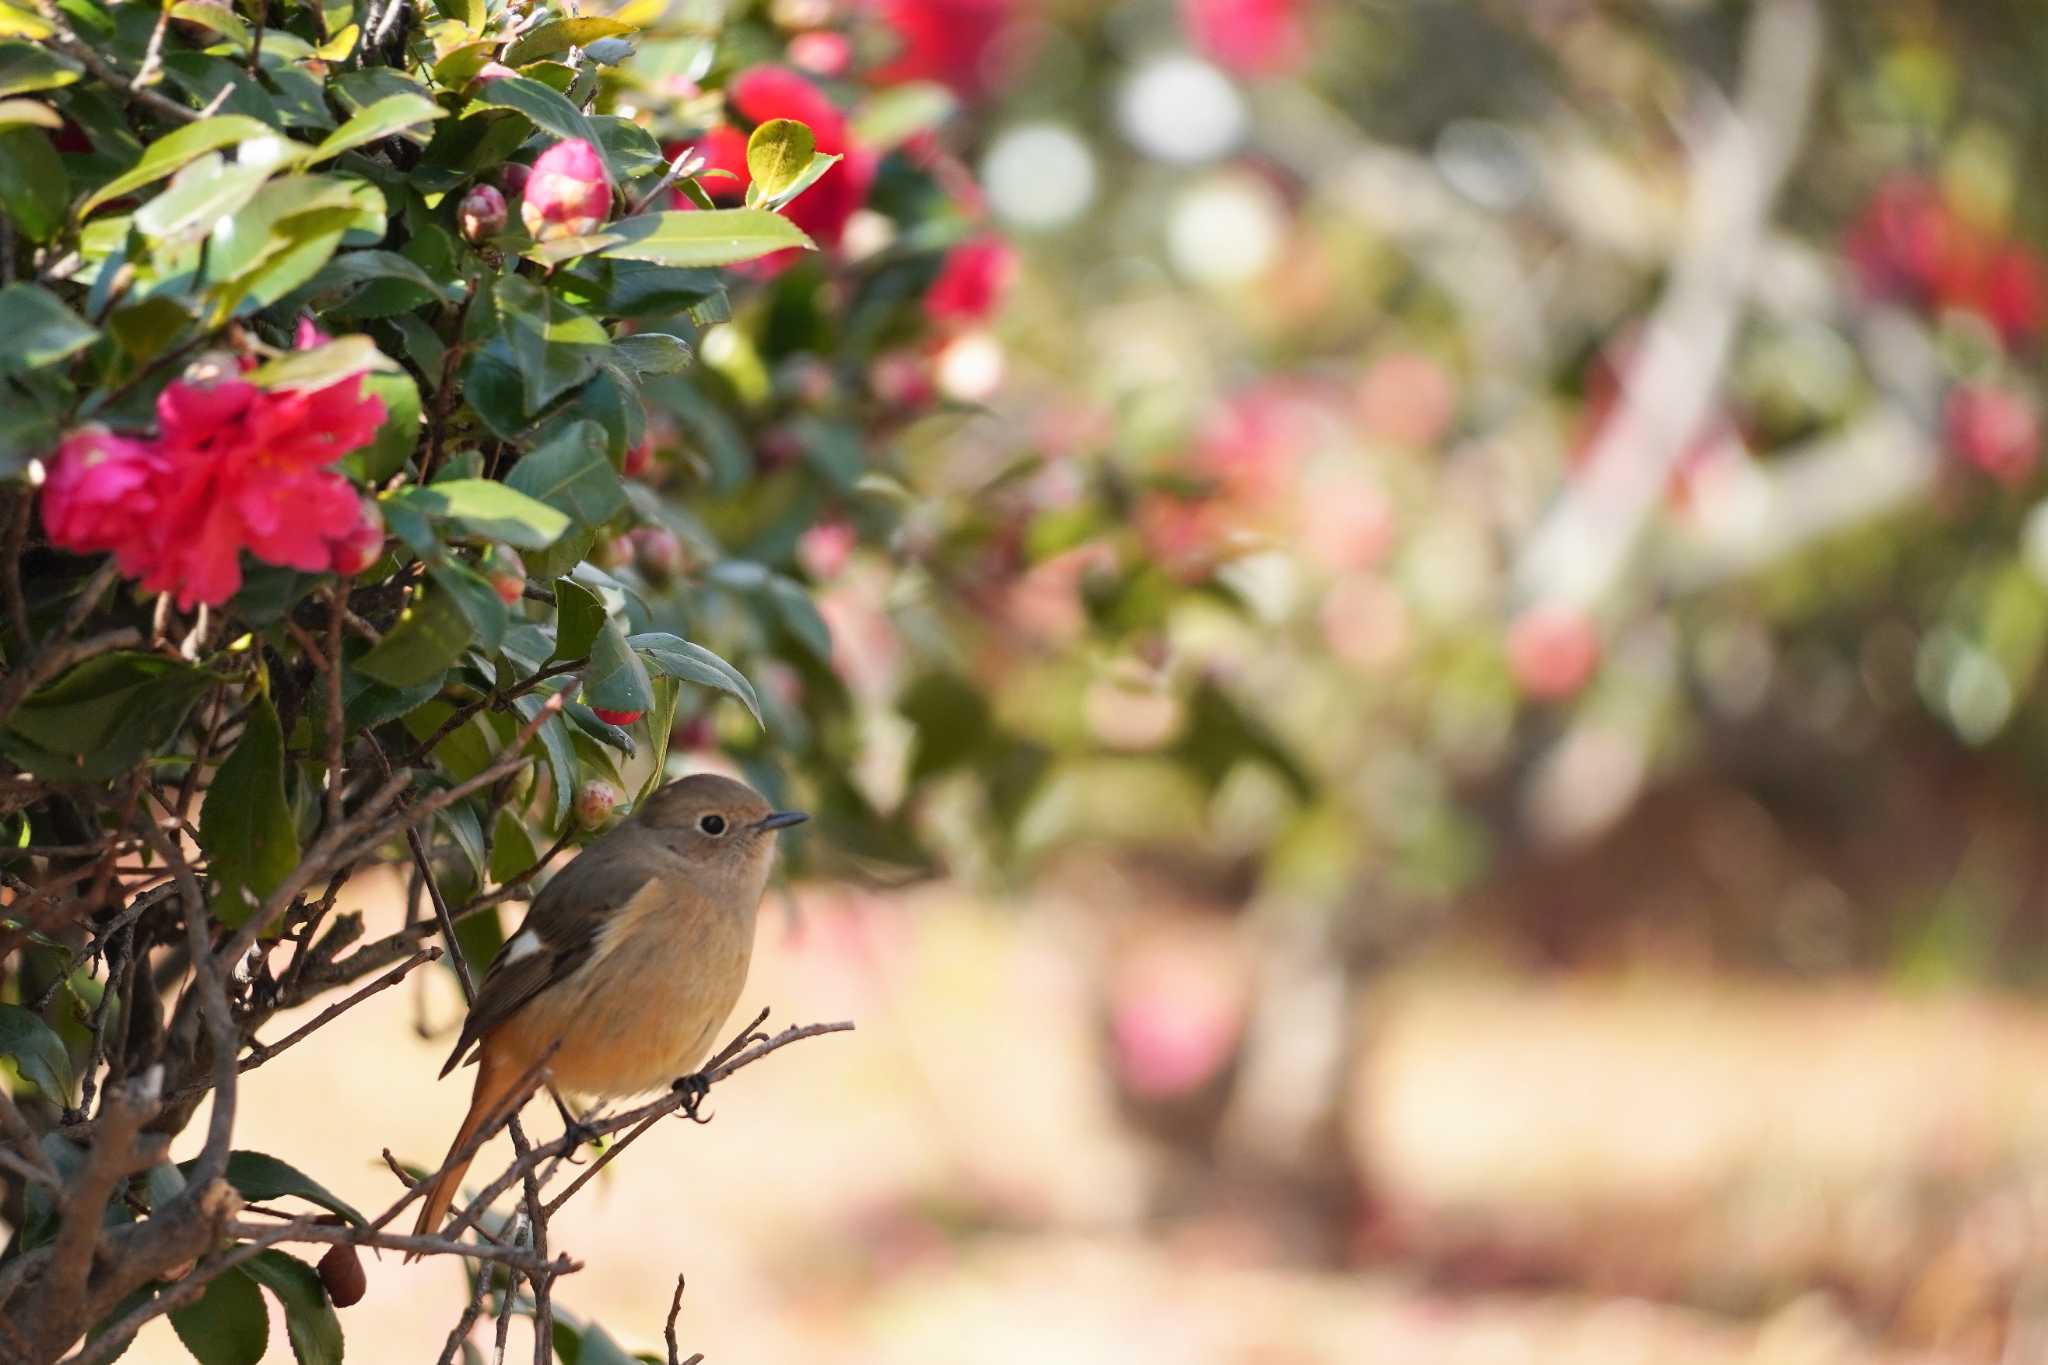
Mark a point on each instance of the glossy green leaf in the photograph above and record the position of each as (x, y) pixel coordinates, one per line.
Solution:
(494, 511)
(423, 646)
(102, 717)
(389, 115)
(309, 1318)
(28, 67)
(653, 353)
(616, 679)
(570, 473)
(553, 345)
(486, 612)
(29, 113)
(661, 724)
(358, 268)
(399, 433)
(778, 151)
(217, 18)
(547, 109)
(38, 1053)
(318, 366)
(33, 185)
(553, 39)
(801, 617)
(246, 825)
(683, 237)
(36, 329)
(675, 657)
(258, 1176)
(175, 150)
(892, 116)
(228, 1325)
(512, 848)
(206, 190)
(579, 615)
(553, 738)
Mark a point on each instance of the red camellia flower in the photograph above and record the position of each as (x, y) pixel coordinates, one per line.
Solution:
(758, 95)
(567, 194)
(235, 468)
(1250, 37)
(958, 43)
(1995, 428)
(972, 282)
(363, 546)
(1910, 246)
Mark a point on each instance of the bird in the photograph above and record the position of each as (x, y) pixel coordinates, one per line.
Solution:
(627, 964)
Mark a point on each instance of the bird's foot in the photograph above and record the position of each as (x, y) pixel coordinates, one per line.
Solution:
(579, 1134)
(693, 1088)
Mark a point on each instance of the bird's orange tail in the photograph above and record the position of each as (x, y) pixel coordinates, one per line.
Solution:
(493, 1086)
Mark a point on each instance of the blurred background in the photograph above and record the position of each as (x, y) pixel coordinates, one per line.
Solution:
(1432, 747)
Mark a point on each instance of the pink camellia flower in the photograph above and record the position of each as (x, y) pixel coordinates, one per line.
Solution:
(959, 43)
(824, 549)
(758, 95)
(1552, 651)
(364, 545)
(1996, 428)
(1250, 37)
(567, 195)
(972, 282)
(102, 495)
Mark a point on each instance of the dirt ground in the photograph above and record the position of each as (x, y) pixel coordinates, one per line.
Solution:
(1679, 1171)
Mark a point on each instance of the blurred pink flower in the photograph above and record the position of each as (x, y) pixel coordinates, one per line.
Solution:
(1250, 37)
(822, 53)
(1552, 651)
(972, 282)
(824, 549)
(567, 195)
(1177, 1013)
(959, 43)
(235, 467)
(1995, 428)
(1407, 398)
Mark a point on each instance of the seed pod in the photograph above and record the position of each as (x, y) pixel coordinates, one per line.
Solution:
(341, 1270)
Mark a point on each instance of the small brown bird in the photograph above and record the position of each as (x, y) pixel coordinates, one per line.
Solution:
(628, 962)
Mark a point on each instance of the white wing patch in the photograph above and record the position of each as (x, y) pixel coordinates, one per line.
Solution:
(525, 943)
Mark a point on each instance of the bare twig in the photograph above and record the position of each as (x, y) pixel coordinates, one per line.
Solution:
(213, 1012)
(67, 38)
(668, 1333)
(260, 1053)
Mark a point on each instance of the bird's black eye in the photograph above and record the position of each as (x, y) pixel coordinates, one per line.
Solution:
(711, 824)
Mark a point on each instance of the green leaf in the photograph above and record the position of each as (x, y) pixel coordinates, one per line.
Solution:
(38, 1053)
(29, 113)
(216, 17)
(653, 353)
(547, 109)
(616, 679)
(674, 657)
(308, 1317)
(805, 178)
(552, 344)
(460, 66)
(147, 329)
(683, 237)
(571, 474)
(778, 152)
(579, 615)
(228, 1325)
(661, 724)
(33, 186)
(512, 847)
(397, 435)
(357, 268)
(486, 612)
(392, 114)
(26, 68)
(176, 149)
(494, 511)
(258, 1176)
(205, 191)
(891, 117)
(102, 717)
(246, 825)
(36, 329)
(801, 617)
(553, 39)
(424, 645)
(318, 366)
(553, 737)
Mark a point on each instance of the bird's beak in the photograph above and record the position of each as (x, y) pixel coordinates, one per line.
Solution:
(781, 819)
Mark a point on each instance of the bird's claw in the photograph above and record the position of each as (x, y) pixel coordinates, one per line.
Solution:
(693, 1088)
(579, 1134)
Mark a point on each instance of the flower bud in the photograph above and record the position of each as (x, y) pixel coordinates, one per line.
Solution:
(657, 553)
(1995, 428)
(1552, 651)
(567, 195)
(639, 457)
(512, 177)
(362, 546)
(507, 574)
(595, 802)
(341, 1271)
(610, 717)
(481, 213)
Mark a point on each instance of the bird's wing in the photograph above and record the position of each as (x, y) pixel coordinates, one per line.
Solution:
(560, 934)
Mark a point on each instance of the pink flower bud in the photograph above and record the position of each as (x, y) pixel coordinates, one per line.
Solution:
(822, 53)
(657, 552)
(595, 802)
(567, 195)
(363, 546)
(507, 574)
(1995, 428)
(639, 457)
(481, 213)
(512, 177)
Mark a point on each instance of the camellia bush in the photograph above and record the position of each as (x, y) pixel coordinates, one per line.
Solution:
(422, 425)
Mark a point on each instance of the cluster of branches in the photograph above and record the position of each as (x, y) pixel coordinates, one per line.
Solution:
(125, 897)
